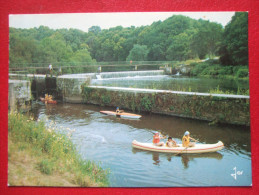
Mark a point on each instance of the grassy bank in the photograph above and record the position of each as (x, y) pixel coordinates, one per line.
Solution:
(38, 156)
(212, 68)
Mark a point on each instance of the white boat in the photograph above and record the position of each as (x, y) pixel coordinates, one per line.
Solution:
(198, 148)
(122, 114)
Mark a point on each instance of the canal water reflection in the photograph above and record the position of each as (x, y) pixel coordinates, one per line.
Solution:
(107, 139)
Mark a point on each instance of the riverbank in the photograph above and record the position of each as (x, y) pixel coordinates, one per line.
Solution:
(38, 156)
(212, 68)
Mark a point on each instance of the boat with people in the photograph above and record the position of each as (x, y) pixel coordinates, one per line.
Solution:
(122, 114)
(48, 99)
(180, 149)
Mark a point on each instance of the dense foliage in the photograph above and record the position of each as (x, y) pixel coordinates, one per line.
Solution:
(235, 48)
(177, 38)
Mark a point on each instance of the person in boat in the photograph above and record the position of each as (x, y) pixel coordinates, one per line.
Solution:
(156, 139)
(171, 143)
(118, 110)
(186, 140)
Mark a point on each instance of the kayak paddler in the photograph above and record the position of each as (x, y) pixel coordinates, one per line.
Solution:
(156, 139)
(186, 140)
(118, 110)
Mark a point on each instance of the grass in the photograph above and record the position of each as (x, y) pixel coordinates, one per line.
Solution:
(239, 92)
(38, 156)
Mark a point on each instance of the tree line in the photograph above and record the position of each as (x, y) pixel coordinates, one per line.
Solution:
(177, 38)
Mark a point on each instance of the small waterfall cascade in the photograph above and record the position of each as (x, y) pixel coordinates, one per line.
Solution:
(107, 75)
(98, 76)
(177, 74)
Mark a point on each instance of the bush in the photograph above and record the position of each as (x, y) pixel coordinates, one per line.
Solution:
(198, 68)
(106, 99)
(242, 72)
(146, 103)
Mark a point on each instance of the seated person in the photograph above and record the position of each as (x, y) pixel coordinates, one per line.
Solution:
(117, 110)
(186, 140)
(156, 139)
(171, 143)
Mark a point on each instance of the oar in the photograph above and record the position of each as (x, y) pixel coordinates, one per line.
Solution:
(180, 151)
(185, 148)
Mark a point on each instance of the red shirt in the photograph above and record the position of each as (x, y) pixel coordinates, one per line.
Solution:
(156, 139)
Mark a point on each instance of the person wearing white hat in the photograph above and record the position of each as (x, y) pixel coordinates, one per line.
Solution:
(186, 140)
(156, 139)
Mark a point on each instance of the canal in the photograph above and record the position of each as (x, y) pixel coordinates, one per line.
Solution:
(107, 140)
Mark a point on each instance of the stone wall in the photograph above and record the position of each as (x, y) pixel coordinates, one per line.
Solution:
(231, 109)
(19, 96)
(70, 87)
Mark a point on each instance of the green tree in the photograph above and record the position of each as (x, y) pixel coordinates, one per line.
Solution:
(235, 48)
(156, 53)
(94, 29)
(138, 53)
(207, 39)
(180, 48)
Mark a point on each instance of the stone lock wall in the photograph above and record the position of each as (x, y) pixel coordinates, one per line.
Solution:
(219, 109)
(19, 95)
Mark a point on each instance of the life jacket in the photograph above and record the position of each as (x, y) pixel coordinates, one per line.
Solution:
(185, 141)
(156, 139)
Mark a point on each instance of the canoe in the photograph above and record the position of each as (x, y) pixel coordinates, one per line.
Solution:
(198, 148)
(122, 114)
(49, 101)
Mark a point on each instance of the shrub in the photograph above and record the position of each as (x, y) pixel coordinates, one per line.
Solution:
(106, 99)
(146, 103)
(242, 72)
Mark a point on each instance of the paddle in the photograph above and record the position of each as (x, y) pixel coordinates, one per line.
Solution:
(185, 148)
(180, 151)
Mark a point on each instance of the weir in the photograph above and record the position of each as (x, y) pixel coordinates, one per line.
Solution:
(107, 75)
(76, 88)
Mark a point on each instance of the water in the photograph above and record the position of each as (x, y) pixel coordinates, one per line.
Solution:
(175, 83)
(130, 74)
(107, 139)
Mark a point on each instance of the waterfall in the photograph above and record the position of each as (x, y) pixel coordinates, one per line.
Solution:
(177, 74)
(98, 76)
(107, 75)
